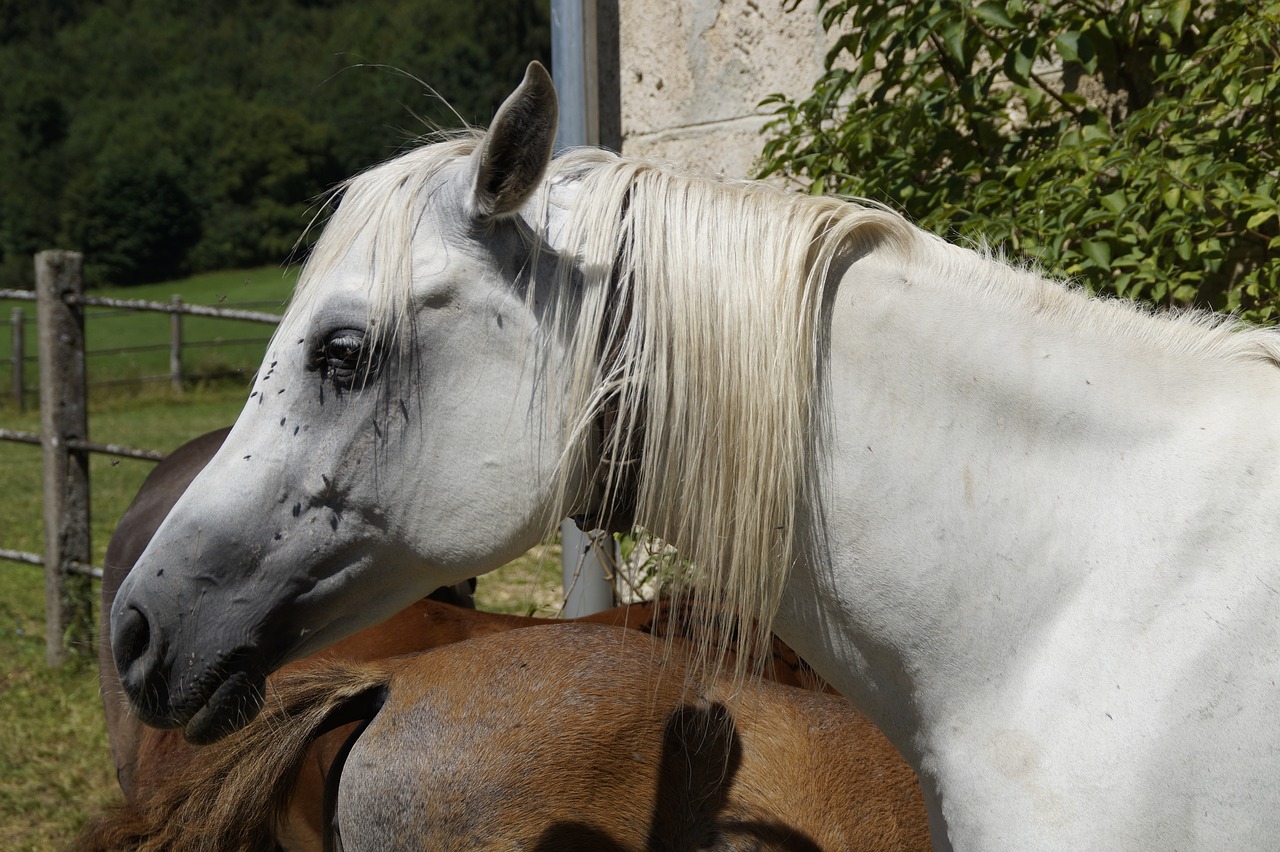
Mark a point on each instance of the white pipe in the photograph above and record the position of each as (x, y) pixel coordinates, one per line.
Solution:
(573, 67)
(588, 559)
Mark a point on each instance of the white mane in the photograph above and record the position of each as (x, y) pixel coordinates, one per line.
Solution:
(1189, 334)
(715, 372)
(709, 296)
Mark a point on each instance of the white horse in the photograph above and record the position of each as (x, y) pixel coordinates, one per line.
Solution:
(1031, 533)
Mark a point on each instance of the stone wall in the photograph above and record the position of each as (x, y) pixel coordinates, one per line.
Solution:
(688, 76)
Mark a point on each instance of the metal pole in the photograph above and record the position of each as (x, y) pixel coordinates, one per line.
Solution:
(18, 339)
(175, 344)
(573, 67)
(69, 626)
(587, 559)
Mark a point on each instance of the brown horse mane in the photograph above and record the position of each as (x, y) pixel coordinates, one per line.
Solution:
(233, 796)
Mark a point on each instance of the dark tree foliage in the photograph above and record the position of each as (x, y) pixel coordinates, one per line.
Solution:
(25, 20)
(136, 221)
(1133, 145)
(160, 137)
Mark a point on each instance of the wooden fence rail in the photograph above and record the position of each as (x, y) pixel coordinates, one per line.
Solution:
(177, 307)
(176, 345)
(64, 436)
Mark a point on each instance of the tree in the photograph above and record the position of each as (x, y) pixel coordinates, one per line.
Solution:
(1132, 145)
(134, 221)
(216, 125)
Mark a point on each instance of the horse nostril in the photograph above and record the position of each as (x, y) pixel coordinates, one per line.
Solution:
(140, 653)
(130, 642)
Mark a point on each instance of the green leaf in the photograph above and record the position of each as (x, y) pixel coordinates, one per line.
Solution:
(1097, 251)
(1231, 93)
(1116, 201)
(1258, 218)
(994, 15)
(1178, 11)
(1018, 62)
(1096, 132)
(1076, 47)
(953, 40)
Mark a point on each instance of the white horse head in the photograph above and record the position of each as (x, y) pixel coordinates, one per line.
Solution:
(395, 434)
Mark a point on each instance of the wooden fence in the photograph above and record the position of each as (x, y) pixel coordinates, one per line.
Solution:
(176, 346)
(64, 430)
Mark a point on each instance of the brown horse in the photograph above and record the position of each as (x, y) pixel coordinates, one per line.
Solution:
(569, 736)
(159, 756)
(426, 624)
(148, 760)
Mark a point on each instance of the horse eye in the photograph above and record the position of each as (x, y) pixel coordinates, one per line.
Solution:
(344, 347)
(345, 359)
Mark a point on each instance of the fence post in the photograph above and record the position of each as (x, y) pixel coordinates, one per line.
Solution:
(175, 344)
(19, 359)
(69, 624)
(588, 561)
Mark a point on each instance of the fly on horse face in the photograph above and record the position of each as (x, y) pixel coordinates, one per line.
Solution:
(1030, 533)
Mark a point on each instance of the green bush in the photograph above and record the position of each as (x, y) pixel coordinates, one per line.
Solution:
(1131, 145)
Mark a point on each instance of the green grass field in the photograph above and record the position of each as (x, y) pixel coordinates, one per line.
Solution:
(205, 340)
(55, 768)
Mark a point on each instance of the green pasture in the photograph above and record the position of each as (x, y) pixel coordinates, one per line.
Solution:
(210, 346)
(55, 768)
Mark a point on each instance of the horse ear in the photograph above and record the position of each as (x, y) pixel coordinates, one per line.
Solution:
(514, 153)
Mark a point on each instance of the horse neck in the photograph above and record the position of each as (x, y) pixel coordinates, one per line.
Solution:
(988, 466)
